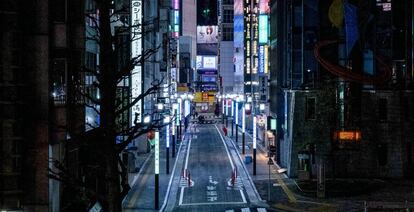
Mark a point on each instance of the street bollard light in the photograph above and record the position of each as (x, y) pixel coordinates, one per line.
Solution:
(157, 168)
(254, 145)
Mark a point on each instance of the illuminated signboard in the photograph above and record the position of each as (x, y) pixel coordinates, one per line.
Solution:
(266, 59)
(176, 18)
(206, 62)
(207, 34)
(347, 135)
(272, 124)
(261, 59)
(136, 51)
(209, 62)
(263, 29)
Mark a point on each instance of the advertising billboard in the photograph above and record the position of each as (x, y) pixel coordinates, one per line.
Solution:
(263, 29)
(207, 34)
(206, 62)
(136, 51)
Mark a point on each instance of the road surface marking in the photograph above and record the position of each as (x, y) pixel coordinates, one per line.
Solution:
(261, 209)
(172, 176)
(212, 203)
(280, 181)
(185, 168)
(231, 161)
(229, 210)
(245, 209)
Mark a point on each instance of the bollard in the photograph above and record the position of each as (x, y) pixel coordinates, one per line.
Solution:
(189, 180)
(365, 206)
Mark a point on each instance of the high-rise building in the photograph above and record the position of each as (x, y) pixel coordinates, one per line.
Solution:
(342, 87)
(42, 53)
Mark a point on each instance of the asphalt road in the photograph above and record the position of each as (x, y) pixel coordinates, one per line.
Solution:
(202, 179)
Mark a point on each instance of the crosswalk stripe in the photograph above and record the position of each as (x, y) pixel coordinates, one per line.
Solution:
(229, 210)
(261, 209)
(245, 209)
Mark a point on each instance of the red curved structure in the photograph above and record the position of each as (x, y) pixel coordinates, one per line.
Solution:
(383, 75)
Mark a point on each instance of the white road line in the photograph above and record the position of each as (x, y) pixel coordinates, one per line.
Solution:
(245, 209)
(229, 210)
(180, 202)
(231, 161)
(172, 176)
(261, 209)
(247, 172)
(212, 203)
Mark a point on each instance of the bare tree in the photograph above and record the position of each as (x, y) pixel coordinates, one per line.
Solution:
(105, 161)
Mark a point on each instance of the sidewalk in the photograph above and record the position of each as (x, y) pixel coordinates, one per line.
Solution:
(279, 191)
(141, 197)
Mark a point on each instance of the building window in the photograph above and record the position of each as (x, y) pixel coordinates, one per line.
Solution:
(405, 107)
(228, 16)
(310, 108)
(382, 111)
(410, 153)
(227, 34)
(382, 154)
(59, 10)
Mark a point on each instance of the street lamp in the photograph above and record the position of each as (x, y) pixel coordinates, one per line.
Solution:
(232, 117)
(157, 168)
(222, 108)
(243, 129)
(237, 121)
(179, 118)
(147, 119)
(167, 142)
(160, 106)
(174, 123)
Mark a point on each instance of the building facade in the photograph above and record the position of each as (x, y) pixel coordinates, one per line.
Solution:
(342, 89)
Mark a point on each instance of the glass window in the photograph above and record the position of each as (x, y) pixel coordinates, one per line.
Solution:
(310, 108)
(382, 109)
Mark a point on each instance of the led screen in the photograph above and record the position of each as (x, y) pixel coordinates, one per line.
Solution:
(207, 34)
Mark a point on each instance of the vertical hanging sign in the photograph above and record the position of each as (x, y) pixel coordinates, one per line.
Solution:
(136, 51)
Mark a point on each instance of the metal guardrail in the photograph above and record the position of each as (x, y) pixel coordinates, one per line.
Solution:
(388, 205)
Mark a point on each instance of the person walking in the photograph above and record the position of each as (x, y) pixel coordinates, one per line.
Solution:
(225, 131)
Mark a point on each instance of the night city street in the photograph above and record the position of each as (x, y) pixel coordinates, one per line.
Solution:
(206, 105)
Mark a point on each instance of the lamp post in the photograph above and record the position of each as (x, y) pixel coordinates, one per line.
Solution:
(167, 143)
(179, 117)
(254, 145)
(175, 106)
(222, 108)
(157, 168)
(237, 121)
(227, 113)
(232, 117)
(243, 129)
